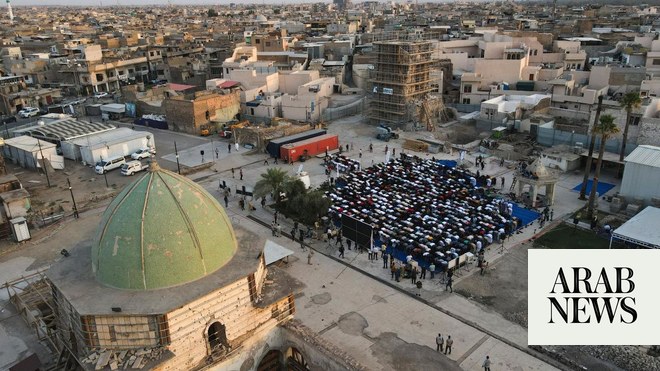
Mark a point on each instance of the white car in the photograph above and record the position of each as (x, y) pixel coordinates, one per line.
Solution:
(28, 112)
(142, 153)
(101, 94)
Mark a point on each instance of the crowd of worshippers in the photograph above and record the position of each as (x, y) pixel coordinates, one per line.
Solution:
(424, 209)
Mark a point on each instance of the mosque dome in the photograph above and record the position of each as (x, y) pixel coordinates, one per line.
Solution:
(537, 168)
(261, 18)
(162, 230)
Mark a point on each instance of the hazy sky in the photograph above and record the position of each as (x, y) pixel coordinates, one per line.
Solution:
(16, 3)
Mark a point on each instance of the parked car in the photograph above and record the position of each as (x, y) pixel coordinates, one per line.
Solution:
(133, 167)
(107, 165)
(101, 94)
(143, 153)
(28, 112)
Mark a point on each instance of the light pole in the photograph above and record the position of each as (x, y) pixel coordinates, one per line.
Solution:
(104, 175)
(75, 208)
(43, 160)
(176, 153)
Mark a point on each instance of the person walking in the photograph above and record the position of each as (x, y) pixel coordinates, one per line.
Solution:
(448, 286)
(486, 364)
(360, 154)
(422, 276)
(341, 251)
(439, 343)
(502, 162)
(371, 147)
(232, 173)
(275, 216)
(392, 269)
(448, 345)
(552, 214)
(229, 147)
(293, 235)
(226, 201)
(502, 180)
(419, 287)
(348, 243)
(393, 151)
(217, 153)
(240, 171)
(386, 148)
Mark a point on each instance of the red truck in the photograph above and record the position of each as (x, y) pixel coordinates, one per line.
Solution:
(301, 151)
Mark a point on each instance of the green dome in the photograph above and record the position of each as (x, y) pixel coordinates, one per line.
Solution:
(162, 230)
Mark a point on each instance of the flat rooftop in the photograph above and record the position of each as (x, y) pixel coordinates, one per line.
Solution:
(74, 278)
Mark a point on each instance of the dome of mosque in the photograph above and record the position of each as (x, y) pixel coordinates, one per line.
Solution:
(537, 168)
(261, 18)
(162, 230)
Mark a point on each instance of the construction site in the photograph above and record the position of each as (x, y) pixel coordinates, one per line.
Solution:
(401, 81)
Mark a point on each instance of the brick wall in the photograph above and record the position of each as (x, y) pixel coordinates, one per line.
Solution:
(189, 115)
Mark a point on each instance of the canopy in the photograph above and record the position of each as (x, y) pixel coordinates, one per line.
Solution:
(274, 252)
(642, 229)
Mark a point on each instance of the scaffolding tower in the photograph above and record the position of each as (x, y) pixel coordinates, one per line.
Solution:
(401, 77)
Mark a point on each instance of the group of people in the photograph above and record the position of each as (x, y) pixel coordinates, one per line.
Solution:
(426, 209)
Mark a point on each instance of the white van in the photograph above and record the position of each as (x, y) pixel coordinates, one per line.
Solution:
(132, 167)
(107, 165)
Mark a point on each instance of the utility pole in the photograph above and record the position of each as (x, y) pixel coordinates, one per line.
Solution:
(75, 208)
(104, 175)
(43, 160)
(590, 156)
(176, 153)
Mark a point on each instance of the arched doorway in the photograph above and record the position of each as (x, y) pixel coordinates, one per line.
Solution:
(217, 337)
(295, 360)
(272, 361)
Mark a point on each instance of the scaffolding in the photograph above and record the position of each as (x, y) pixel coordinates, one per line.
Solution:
(400, 78)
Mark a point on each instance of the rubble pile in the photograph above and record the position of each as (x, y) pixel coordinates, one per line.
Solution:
(627, 357)
(125, 359)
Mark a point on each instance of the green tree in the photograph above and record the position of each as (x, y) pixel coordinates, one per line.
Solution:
(272, 181)
(606, 128)
(629, 102)
(212, 13)
(311, 206)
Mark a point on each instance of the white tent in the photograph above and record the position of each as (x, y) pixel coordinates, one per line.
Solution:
(274, 252)
(642, 229)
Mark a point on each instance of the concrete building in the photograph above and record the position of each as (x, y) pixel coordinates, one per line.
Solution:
(29, 152)
(188, 114)
(106, 145)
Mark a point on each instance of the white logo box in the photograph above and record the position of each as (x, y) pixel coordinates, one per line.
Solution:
(543, 268)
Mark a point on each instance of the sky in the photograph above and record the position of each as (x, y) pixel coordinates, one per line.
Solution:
(16, 3)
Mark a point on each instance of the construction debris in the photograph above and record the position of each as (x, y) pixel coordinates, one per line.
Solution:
(124, 359)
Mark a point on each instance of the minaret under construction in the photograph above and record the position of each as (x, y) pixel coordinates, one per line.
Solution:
(10, 12)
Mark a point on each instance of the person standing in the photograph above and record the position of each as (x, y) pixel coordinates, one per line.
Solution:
(552, 214)
(348, 243)
(309, 256)
(229, 147)
(432, 270)
(392, 268)
(413, 275)
(263, 202)
(341, 251)
(448, 345)
(385, 261)
(422, 276)
(232, 173)
(397, 274)
(360, 154)
(275, 216)
(240, 172)
(439, 343)
(293, 235)
(502, 180)
(419, 287)
(393, 152)
(217, 153)
(226, 201)
(448, 286)
(486, 364)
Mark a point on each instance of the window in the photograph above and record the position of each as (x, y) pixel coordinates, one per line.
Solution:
(111, 74)
(131, 70)
(634, 120)
(257, 41)
(99, 77)
(121, 72)
(151, 54)
(466, 100)
(656, 62)
(467, 88)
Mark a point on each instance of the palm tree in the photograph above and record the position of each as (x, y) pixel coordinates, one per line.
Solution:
(605, 129)
(590, 156)
(629, 102)
(272, 181)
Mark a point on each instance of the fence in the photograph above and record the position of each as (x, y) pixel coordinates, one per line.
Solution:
(467, 108)
(348, 110)
(552, 137)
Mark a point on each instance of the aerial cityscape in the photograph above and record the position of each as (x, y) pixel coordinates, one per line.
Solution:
(329, 185)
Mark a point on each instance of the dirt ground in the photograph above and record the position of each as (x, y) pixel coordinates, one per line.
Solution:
(503, 287)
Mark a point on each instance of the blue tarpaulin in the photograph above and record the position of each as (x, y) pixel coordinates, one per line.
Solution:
(602, 187)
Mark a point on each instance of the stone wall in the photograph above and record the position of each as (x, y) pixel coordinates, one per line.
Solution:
(189, 115)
